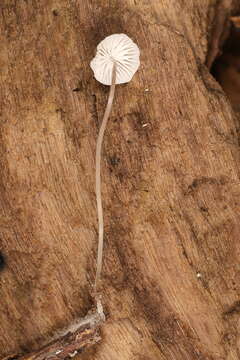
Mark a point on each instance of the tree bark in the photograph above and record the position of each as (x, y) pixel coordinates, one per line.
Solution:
(170, 181)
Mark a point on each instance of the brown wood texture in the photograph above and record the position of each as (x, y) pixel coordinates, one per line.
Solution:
(170, 181)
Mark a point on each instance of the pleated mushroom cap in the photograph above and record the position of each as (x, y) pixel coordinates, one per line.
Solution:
(118, 49)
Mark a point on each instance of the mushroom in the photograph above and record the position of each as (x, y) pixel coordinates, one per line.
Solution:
(116, 61)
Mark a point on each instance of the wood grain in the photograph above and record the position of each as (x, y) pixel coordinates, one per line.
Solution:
(170, 188)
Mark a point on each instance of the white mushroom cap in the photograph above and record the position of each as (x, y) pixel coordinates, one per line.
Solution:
(118, 49)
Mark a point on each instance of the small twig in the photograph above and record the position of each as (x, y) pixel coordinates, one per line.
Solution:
(71, 341)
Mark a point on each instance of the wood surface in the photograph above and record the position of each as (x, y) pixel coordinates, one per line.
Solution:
(170, 181)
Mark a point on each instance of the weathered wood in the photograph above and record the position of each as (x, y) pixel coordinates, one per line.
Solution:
(170, 181)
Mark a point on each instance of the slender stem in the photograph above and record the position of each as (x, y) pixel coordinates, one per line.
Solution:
(98, 179)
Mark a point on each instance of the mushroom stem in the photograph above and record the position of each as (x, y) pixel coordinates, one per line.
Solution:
(98, 179)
